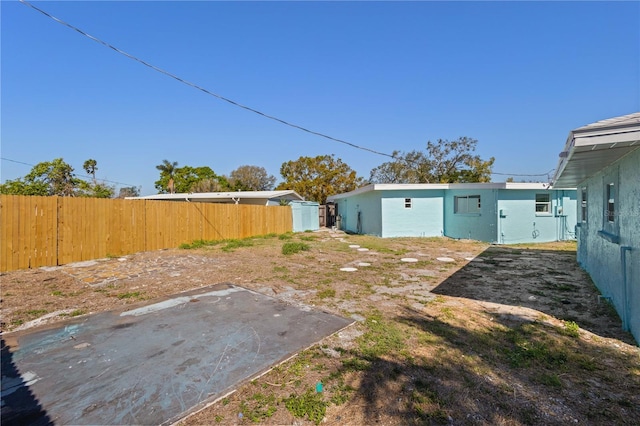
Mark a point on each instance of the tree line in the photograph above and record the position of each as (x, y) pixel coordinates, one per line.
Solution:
(314, 178)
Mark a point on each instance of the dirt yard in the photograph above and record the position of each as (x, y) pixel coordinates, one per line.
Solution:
(446, 332)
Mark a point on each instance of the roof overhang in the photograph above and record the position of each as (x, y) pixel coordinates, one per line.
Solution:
(591, 148)
(442, 186)
(225, 197)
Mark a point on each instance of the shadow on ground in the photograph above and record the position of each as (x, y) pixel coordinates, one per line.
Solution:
(547, 281)
(515, 373)
(19, 405)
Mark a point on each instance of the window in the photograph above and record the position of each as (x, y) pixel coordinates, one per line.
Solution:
(610, 209)
(583, 205)
(611, 203)
(543, 203)
(466, 204)
(407, 203)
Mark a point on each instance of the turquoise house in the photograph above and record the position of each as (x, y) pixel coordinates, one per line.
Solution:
(501, 213)
(602, 160)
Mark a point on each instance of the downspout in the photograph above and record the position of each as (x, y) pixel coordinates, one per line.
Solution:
(563, 218)
(235, 200)
(499, 236)
(558, 216)
(625, 303)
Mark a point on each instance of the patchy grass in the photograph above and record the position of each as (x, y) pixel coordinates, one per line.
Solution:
(75, 313)
(130, 295)
(231, 245)
(294, 247)
(467, 344)
(258, 407)
(324, 294)
(199, 244)
(310, 405)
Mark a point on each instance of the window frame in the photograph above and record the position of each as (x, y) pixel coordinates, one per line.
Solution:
(545, 204)
(584, 212)
(610, 202)
(610, 212)
(467, 198)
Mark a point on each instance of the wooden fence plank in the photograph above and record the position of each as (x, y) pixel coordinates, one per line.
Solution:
(4, 248)
(48, 231)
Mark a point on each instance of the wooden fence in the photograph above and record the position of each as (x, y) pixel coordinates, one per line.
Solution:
(49, 231)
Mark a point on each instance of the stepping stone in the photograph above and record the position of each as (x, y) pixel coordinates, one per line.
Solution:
(364, 264)
(446, 259)
(363, 249)
(348, 269)
(354, 246)
(409, 259)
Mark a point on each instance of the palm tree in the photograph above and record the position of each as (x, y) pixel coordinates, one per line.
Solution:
(169, 169)
(90, 166)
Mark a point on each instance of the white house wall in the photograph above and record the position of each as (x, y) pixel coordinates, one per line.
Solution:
(610, 251)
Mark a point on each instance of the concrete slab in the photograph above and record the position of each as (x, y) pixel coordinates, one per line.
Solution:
(155, 363)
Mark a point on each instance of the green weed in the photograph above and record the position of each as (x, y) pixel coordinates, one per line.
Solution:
(259, 407)
(198, 244)
(426, 404)
(326, 293)
(382, 338)
(128, 295)
(355, 364)
(75, 313)
(35, 312)
(447, 312)
(310, 405)
(528, 347)
(231, 245)
(551, 380)
(571, 329)
(341, 393)
(293, 247)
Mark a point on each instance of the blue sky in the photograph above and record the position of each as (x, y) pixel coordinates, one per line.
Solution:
(516, 76)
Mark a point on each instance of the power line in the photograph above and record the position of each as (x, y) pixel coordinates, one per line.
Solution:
(520, 174)
(72, 174)
(195, 86)
(232, 102)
